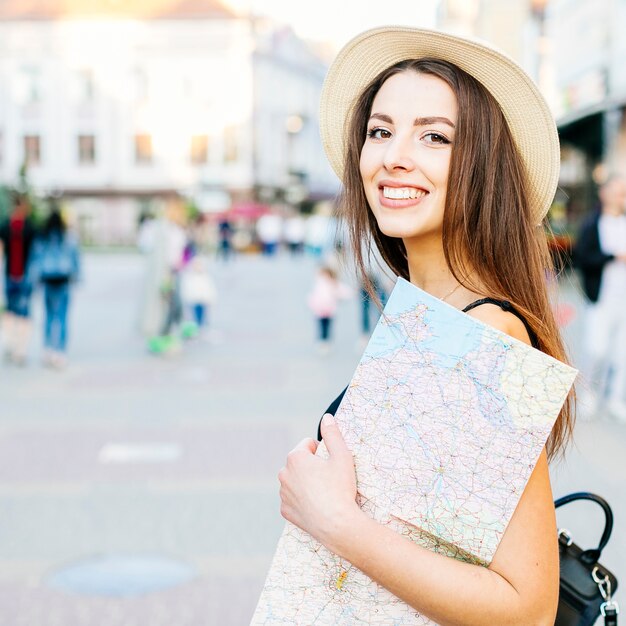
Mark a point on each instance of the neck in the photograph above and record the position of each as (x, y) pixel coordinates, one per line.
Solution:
(428, 269)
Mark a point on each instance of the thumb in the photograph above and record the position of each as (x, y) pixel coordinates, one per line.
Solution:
(333, 438)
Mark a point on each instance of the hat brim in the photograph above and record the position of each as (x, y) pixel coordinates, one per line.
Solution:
(528, 116)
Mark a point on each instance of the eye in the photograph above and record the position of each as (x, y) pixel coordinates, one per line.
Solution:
(378, 133)
(436, 138)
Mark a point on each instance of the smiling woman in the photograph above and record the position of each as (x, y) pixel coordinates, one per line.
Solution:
(449, 161)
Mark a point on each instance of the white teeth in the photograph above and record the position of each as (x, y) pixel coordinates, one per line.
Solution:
(403, 193)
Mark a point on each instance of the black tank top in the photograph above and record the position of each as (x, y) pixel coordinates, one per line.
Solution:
(505, 305)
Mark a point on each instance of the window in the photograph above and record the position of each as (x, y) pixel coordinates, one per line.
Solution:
(140, 86)
(231, 144)
(85, 86)
(29, 86)
(86, 149)
(199, 149)
(143, 149)
(32, 149)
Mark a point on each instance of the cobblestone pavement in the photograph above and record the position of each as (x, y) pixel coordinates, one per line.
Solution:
(126, 454)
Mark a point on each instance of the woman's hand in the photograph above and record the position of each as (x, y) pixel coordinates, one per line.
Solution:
(319, 495)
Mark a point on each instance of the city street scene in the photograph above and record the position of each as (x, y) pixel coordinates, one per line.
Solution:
(168, 217)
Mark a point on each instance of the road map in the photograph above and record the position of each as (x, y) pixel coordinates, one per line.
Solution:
(446, 418)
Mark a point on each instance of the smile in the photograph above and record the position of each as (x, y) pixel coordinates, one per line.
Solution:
(403, 193)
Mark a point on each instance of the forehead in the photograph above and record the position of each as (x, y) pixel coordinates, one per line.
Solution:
(416, 94)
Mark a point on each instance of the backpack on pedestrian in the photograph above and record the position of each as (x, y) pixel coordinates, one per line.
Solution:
(56, 259)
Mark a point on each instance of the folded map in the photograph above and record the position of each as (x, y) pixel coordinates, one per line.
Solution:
(446, 418)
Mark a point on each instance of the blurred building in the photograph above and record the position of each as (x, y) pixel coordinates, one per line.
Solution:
(589, 50)
(113, 104)
(575, 51)
(507, 25)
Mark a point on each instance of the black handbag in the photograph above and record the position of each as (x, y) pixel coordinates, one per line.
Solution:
(587, 588)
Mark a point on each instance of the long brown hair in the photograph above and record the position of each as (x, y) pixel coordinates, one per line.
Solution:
(488, 227)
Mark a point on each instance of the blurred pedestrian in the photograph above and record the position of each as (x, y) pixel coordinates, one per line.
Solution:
(600, 254)
(176, 247)
(374, 288)
(17, 235)
(198, 293)
(225, 246)
(320, 231)
(163, 240)
(323, 301)
(294, 234)
(57, 266)
(269, 231)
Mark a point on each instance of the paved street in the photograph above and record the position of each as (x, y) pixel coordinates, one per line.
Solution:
(129, 456)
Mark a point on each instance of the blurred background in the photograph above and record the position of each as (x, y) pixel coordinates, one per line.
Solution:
(161, 165)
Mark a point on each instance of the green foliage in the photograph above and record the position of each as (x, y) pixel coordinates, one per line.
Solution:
(192, 212)
(5, 202)
(37, 204)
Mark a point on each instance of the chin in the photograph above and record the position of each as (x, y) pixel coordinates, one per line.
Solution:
(391, 228)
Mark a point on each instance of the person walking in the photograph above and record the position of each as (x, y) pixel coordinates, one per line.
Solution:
(269, 230)
(198, 294)
(294, 234)
(449, 159)
(323, 301)
(163, 241)
(57, 263)
(17, 235)
(225, 245)
(600, 255)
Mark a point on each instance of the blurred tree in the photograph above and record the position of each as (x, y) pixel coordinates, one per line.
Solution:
(5, 202)
(37, 204)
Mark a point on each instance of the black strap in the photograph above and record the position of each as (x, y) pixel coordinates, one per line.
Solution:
(610, 616)
(505, 305)
(591, 556)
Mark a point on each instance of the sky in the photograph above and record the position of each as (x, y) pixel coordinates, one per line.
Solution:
(337, 21)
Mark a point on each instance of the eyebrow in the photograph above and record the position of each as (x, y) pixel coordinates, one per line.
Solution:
(418, 121)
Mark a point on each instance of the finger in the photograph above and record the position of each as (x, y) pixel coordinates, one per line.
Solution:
(333, 438)
(307, 444)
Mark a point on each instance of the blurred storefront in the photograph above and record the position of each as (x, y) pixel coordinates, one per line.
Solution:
(590, 81)
(117, 106)
(575, 51)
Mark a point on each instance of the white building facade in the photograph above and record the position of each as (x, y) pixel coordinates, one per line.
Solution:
(110, 113)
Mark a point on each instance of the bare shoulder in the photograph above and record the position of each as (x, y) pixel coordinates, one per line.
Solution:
(505, 321)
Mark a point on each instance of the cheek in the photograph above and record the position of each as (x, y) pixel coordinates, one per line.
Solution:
(367, 163)
(437, 171)
(362, 165)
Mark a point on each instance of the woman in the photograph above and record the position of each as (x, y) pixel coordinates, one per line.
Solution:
(57, 263)
(449, 161)
(17, 235)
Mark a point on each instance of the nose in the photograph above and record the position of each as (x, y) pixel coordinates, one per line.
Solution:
(399, 154)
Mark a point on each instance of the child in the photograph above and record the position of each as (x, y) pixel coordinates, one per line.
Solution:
(323, 300)
(197, 291)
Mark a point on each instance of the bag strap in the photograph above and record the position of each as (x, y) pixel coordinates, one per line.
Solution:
(593, 555)
(610, 611)
(505, 305)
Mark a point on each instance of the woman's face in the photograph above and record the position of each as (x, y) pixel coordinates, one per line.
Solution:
(405, 159)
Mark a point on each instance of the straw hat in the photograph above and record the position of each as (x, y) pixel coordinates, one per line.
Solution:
(527, 113)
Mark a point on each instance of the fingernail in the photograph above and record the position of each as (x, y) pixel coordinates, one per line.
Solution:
(329, 420)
